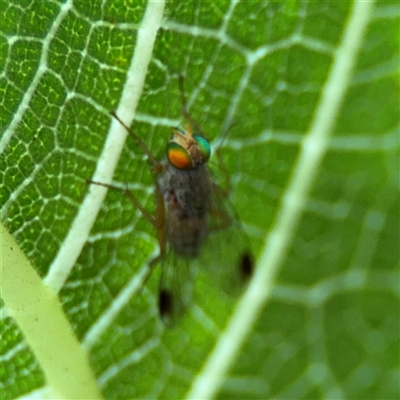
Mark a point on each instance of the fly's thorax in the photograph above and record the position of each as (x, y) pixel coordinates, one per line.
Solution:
(188, 191)
(187, 197)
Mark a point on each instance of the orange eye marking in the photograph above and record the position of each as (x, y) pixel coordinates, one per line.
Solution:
(178, 158)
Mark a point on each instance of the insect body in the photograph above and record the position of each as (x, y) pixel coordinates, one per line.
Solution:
(186, 189)
(188, 209)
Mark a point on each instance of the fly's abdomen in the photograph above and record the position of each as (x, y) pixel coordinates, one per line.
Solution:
(187, 201)
(186, 235)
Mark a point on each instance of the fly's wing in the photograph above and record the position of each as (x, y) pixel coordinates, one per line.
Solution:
(227, 253)
(175, 291)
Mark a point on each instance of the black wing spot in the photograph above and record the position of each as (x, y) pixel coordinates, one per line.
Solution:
(165, 304)
(246, 265)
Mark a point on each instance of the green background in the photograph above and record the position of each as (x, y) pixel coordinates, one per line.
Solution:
(331, 328)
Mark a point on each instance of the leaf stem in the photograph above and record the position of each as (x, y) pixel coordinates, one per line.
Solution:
(39, 314)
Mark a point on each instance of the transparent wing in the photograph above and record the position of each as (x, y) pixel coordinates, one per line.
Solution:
(227, 253)
(176, 283)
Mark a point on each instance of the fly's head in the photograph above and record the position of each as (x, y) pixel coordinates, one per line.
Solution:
(187, 150)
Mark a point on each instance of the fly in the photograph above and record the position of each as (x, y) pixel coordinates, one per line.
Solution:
(192, 220)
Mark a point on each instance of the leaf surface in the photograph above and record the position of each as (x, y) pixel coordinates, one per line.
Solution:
(255, 75)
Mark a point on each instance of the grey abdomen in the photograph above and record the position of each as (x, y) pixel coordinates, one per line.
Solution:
(186, 238)
(187, 200)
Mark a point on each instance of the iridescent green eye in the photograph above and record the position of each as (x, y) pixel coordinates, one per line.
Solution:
(178, 156)
(204, 147)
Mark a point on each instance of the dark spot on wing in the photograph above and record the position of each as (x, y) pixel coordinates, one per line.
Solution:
(246, 265)
(165, 304)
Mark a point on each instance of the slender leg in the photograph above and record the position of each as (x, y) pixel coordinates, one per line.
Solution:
(196, 126)
(158, 221)
(139, 142)
(221, 192)
(131, 197)
(157, 168)
(185, 111)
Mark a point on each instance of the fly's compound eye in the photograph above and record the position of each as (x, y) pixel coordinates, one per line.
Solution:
(178, 156)
(204, 147)
(196, 153)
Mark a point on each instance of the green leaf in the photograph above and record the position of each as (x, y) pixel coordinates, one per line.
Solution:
(302, 99)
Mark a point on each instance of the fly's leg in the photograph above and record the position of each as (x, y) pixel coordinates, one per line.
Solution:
(160, 226)
(195, 125)
(185, 110)
(158, 221)
(131, 197)
(157, 167)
